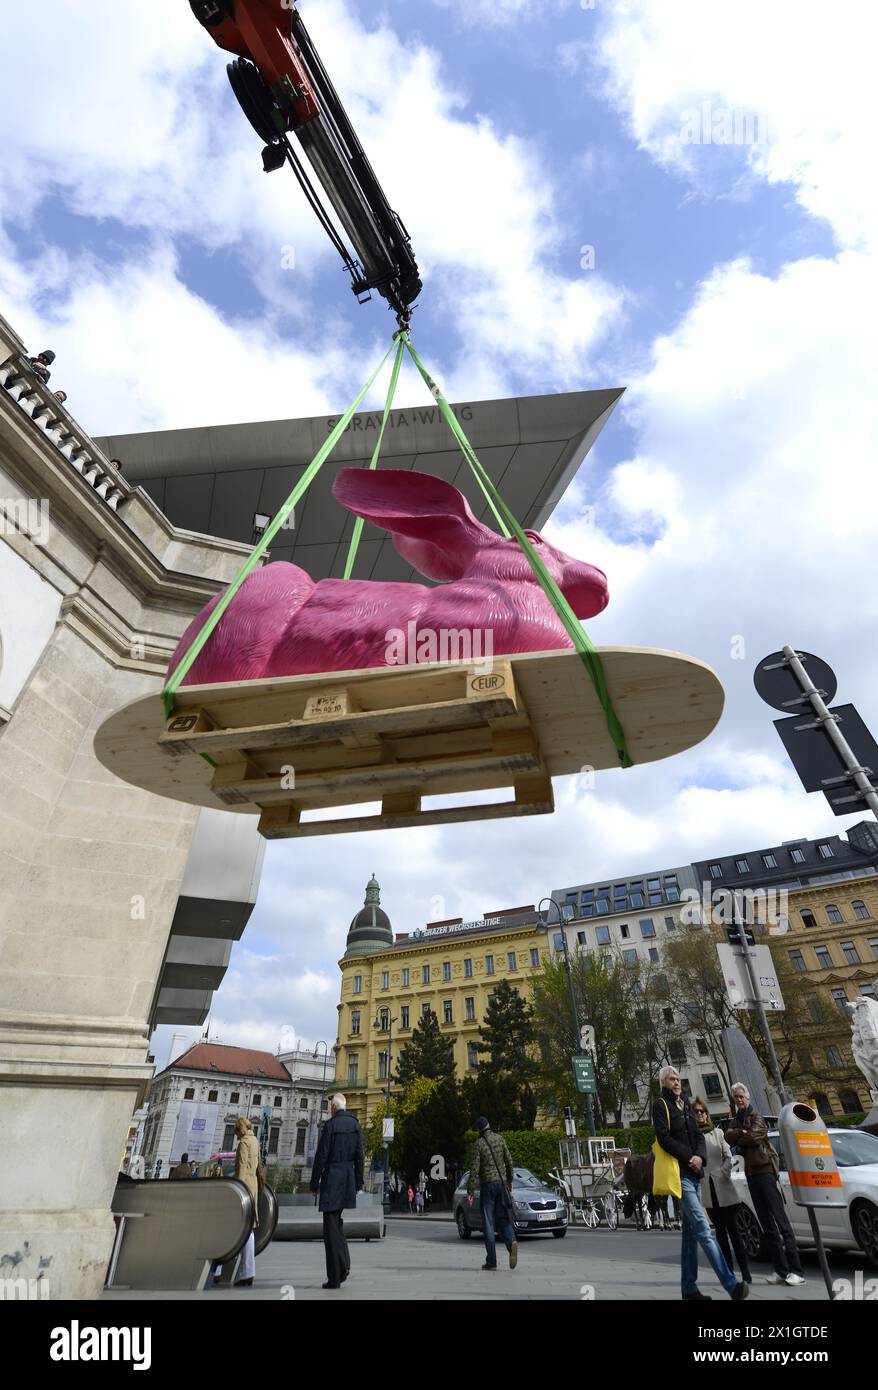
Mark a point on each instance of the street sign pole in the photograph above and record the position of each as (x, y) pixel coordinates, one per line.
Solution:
(834, 734)
(740, 919)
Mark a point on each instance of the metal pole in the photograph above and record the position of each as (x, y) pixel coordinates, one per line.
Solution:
(386, 1202)
(830, 725)
(740, 920)
(821, 1253)
(588, 1101)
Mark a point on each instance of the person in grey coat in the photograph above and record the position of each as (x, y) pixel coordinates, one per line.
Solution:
(722, 1197)
(338, 1176)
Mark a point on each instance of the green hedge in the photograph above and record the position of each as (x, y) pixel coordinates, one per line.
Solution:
(840, 1121)
(537, 1149)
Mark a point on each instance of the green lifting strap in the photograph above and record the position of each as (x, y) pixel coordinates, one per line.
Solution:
(581, 641)
(326, 448)
(391, 392)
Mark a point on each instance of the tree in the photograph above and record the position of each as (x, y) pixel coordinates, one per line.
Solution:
(429, 1127)
(503, 1085)
(697, 993)
(610, 995)
(427, 1053)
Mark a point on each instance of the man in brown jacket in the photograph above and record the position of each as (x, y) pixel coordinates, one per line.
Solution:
(182, 1170)
(748, 1132)
(490, 1168)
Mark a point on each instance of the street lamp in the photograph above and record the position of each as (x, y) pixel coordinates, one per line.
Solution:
(573, 1011)
(384, 1024)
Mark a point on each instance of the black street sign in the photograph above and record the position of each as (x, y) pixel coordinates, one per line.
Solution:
(777, 686)
(816, 759)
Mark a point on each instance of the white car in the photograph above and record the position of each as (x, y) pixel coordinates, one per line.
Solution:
(853, 1226)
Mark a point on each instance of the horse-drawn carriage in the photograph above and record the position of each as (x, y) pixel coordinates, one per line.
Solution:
(591, 1176)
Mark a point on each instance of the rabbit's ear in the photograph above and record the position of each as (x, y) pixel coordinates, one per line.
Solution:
(430, 521)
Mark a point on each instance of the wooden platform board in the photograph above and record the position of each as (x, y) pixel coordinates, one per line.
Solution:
(396, 734)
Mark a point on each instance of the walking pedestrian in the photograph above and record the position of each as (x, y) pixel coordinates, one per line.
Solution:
(491, 1168)
(748, 1132)
(411, 1196)
(725, 1201)
(183, 1170)
(678, 1134)
(338, 1175)
(248, 1170)
(419, 1202)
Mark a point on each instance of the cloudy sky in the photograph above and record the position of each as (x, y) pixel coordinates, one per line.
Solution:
(670, 197)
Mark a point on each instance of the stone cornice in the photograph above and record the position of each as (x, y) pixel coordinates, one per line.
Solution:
(442, 944)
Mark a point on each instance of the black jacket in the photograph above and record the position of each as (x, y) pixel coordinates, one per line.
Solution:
(683, 1138)
(338, 1163)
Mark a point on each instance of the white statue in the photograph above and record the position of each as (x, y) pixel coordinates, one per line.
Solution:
(864, 1023)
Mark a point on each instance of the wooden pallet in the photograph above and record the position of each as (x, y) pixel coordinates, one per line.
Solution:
(395, 735)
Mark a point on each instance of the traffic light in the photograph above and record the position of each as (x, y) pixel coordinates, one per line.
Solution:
(568, 1112)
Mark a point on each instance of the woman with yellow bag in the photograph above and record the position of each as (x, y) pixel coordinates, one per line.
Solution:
(680, 1152)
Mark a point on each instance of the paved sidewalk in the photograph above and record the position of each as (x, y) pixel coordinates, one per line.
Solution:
(426, 1260)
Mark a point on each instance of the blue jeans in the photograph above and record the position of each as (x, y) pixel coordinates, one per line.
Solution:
(494, 1210)
(696, 1231)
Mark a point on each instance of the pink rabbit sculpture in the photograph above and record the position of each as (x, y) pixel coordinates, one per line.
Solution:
(280, 623)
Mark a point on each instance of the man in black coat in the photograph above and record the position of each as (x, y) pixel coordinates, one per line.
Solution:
(338, 1174)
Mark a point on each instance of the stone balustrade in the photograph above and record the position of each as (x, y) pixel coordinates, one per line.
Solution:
(58, 425)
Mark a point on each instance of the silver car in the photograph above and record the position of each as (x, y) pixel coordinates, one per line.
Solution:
(536, 1208)
(853, 1226)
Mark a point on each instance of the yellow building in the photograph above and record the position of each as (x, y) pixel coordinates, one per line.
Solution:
(832, 944)
(451, 967)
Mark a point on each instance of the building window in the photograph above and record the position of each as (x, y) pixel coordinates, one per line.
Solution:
(716, 870)
(470, 1008)
(812, 1004)
(686, 1087)
(535, 955)
(273, 1139)
(472, 1055)
(841, 1000)
(382, 1066)
(703, 1049)
(558, 941)
(713, 1087)
(635, 899)
(404, 1016)
(670, 924)
(257, 1100)
(826, 851)
(806, 1061)
(860, 910)
(873, 946)
(353, 1069)
(624, 931)
(833, 913)
(869, 991)
(446, 1011)
(426, 1011)
(383, 1020)
(491, 999)
(808, 918)
(355, 1020)
(324, 1103)
(797, 856)
(821, 1100)
(653, 954)
(358, 984)
(603, 936)
(405, 977)
(602, 905)
(630, 956)
(647, 927)
(228, 1139)
(677, 1051)
(489, 965)
(798, 961)
(425, 974)
(446, 970)
(655, 899)
(769, 861)
(851, 954)
(303, 1103)
(668, 1016)
(468, 968)
(301, 1131)
(824, 957)
(234, 1097)
(850, 1102)
(385, 979)
(189, 1093)
(833, 1056)
(212, 1095)
(278, 1101)
(510, 960)
(742, 866)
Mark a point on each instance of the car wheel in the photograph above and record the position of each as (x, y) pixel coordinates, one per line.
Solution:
(751, 1233)
(559, 1235)
(463, 1229)
(864, 1221)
